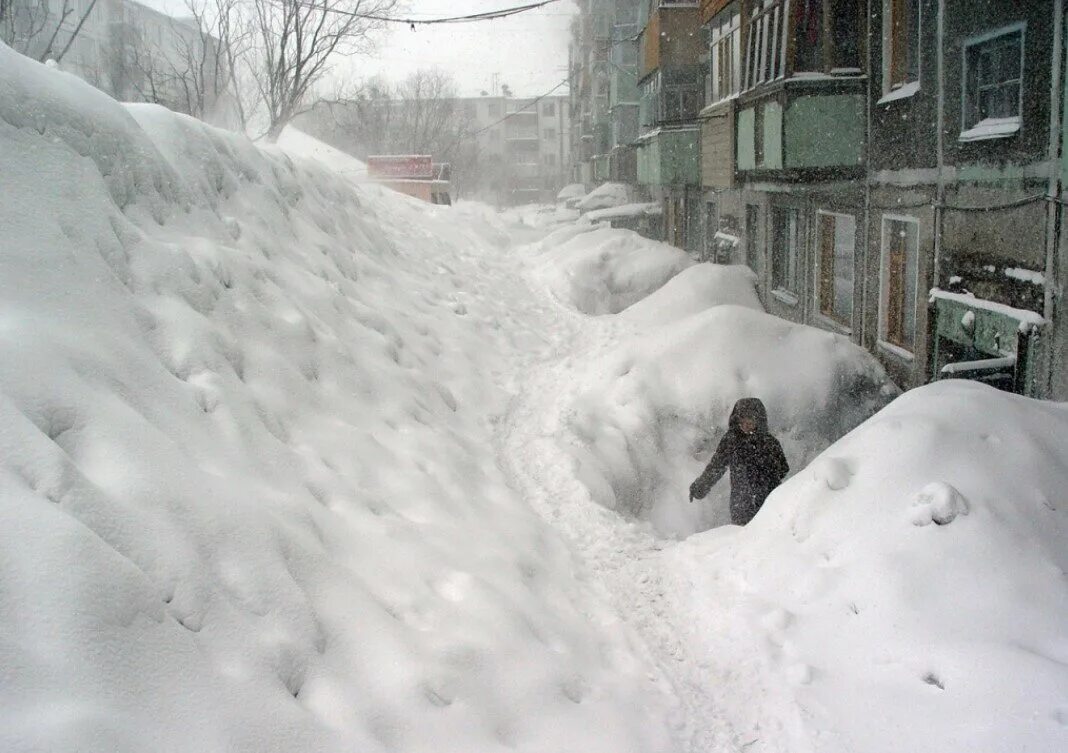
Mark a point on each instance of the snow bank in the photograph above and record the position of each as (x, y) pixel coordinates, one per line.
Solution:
(603, 271)
(909, 586)
(625, 211)
(652, 409)
(295, 141)
(694, 290)
(606, 195)
(571, 191)
(246, 491)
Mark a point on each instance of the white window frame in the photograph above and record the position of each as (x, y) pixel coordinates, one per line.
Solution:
(785, 294)
(909, 87)
(846, 326)
(884, 288)
(725, 32)
(970, 132)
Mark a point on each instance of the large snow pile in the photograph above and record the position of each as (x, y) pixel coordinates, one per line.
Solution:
(606, 195)
(296, 141)
(247, 500)
(652, 408)
(571, 191)
(603, 270)
(908, 588)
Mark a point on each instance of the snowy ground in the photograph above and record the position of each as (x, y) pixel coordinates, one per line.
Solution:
(288, 463)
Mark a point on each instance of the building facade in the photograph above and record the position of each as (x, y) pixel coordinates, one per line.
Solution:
(892, 170)
(523, 146)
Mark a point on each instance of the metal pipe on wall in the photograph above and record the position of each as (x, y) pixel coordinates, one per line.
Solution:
(1053, 189)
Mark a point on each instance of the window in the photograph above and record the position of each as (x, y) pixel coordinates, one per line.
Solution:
(680, 103)
(837, 243)
(785, 239)
(549, 134)
(765, 52)
(752, 225)
(993, 74)
(900, 270)
(549, 109)
(724, 55)
(901, 43)
(493, 109)
(711, 226)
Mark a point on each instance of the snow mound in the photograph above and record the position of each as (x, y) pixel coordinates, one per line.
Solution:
(606, 195)
(603, 271)
(246, 492)
(299, 144)
(696, 289)
(914, 637)
(652, 410)
(571, 191)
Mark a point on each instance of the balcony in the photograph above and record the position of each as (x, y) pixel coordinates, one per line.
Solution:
(798, 126)
(671, 37)
(670, 156)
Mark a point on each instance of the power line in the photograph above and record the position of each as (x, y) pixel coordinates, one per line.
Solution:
(531, 103)
(490, 15)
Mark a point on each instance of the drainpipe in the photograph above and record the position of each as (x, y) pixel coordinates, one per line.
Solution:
(867, 196)
(940, 120)
(1053, 189)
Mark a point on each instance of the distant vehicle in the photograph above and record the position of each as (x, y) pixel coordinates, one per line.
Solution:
(416, 175)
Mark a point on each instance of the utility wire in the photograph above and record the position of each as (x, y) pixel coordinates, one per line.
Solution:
(490, 15)
(529, 104)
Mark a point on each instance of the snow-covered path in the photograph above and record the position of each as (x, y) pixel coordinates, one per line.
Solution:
(705, 677)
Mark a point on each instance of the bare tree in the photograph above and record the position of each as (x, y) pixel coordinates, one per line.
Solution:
(420, 115)
(36, 29)
(297, 40)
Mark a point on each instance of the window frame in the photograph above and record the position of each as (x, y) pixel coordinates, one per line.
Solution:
(724, 35)
(887, 50)
(902, 351)
(967, 97)
(794, 277)
(830, 315)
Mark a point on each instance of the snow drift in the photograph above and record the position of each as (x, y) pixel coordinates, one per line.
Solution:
(244, 457)
(909, 587)
(599, 270)
(653, 408)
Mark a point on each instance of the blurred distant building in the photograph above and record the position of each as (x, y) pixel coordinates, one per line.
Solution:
(523, 146)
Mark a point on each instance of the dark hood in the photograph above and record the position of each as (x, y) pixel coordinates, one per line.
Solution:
(753, 407)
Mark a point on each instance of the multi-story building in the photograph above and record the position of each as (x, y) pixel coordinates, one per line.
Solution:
(603, 64)
(127, 49)
(670, 84)
(878, 165)
(523, 146)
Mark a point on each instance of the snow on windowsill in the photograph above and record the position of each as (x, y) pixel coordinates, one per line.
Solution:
(991, 128)
(1027, 319)
(895, 350)
(901, 92)
(785, 296)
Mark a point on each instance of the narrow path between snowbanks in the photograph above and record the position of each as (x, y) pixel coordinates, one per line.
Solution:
(722, 697)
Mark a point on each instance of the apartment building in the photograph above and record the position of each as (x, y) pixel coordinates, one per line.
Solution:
(122, 47)
(878, 165)
(523, 146)
(893, 170)
(670, 83)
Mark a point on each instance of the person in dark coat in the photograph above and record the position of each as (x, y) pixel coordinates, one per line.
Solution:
(754, 458)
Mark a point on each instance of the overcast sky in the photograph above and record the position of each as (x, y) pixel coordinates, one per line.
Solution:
(528, 51)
